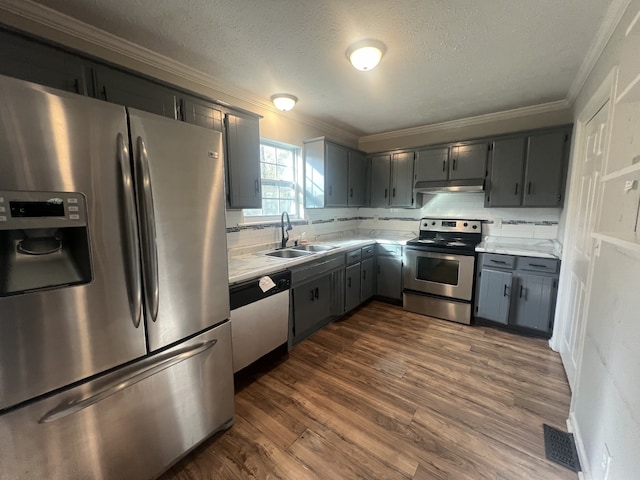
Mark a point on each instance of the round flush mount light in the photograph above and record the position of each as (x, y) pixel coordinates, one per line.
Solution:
(284, 101)
(365, 55)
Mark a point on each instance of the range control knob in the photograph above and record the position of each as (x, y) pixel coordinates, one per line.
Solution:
(433, 223)
(465, 224)
(475, 227)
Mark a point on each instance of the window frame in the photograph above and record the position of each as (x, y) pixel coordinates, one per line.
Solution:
(298, 168)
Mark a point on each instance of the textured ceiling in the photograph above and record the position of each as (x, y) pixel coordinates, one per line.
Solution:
(445, 60)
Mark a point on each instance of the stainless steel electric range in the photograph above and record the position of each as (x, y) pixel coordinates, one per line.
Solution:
(439, 269)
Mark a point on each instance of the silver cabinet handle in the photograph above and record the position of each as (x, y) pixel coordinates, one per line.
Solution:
(127, 379)
(444, 164)
(529, 188)
(131, 230)
(516, 191)
(148, 222)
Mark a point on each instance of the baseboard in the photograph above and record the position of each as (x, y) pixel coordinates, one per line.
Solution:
(572, 427)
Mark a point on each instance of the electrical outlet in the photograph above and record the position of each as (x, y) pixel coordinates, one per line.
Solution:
(630, 185)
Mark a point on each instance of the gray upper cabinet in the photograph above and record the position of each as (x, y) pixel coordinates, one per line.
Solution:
(544, 171)
(391, 180)
(432, 164)
(506, 164)
(468, 161)
(116, 86)
(357, 176)
(380, 180)
(334, 175)
(38, 63)
(402, 179)
(201, 112)
(528, 170)
(243, 161)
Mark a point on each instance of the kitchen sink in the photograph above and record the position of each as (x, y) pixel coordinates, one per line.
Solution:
(313, 248)
(288, 253)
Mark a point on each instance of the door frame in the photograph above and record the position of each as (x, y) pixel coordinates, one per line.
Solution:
(606, 92)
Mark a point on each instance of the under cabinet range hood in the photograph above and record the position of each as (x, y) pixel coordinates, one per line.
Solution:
(448, 186)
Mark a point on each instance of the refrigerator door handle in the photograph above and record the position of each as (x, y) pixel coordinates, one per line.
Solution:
(127, 379)
(133, 265)
(148, 221)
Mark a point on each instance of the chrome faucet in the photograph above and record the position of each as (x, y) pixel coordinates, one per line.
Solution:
(285, 235)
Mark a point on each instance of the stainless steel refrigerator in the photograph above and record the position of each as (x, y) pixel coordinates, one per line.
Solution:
(115, 350)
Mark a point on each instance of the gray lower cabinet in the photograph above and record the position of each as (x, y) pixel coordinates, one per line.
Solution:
(352, 287)
(317, 295)
(519, 292)
(244, 189)
(312, 306)
(528, 170)
(35, 62)
(367, 281)
(389, 271)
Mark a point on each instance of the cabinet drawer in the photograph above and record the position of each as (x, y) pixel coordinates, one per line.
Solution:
(549, 265)
(389, 249)
(353, 257)
(368, 251)
(499, 261)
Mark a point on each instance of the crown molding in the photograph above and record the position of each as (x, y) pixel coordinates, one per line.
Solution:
(612, 19)
(92, 36)
(468, 122)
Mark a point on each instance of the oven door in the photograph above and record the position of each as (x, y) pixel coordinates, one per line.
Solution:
(445, 274)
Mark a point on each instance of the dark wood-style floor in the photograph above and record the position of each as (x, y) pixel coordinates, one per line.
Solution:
(387, 394)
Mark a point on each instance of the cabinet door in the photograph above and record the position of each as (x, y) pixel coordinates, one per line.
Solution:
(123, 88)
(494, 295)
(201, 112)
(311, 306)
(545, 164)
(357, 175)
(336, 175)
(402, 179)
(352, 287)
(243, 161)
(468, 161)
(367, 285)
(389, 278)
(432, 164)
(38, 63)
(506, 173)
(535, 299)
(380, 180)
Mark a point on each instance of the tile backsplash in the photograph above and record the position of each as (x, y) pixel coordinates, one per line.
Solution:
(389, 222)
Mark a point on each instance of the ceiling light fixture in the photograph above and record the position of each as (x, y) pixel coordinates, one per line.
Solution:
(284, 101)
(365, 55)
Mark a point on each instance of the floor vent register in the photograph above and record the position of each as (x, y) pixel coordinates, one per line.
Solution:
(560, 447)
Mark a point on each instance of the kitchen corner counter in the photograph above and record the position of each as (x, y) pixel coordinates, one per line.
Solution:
(528, 247)
(248, 266)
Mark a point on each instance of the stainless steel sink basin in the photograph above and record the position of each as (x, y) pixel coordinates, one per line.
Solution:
(288, 253)
(313, 248)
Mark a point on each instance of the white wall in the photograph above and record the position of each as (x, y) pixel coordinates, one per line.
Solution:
(605, 407)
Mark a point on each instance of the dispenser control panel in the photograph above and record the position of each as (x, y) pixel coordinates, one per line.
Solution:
(20, 209)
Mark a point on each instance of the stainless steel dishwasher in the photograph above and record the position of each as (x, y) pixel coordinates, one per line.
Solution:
(259, 320)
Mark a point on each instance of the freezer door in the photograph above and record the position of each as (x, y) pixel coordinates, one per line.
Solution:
(132, 423)
(52, 141)
(180, 184)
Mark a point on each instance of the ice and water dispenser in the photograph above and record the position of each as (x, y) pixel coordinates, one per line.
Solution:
(44, 242)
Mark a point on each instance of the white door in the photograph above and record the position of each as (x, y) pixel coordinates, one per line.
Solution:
(579, 246)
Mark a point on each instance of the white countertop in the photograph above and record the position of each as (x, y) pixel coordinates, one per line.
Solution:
(253, 265)
(529, 247)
